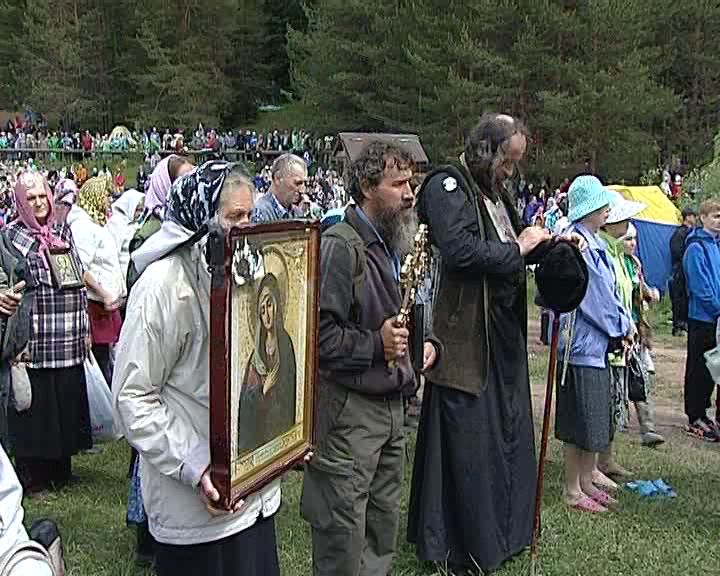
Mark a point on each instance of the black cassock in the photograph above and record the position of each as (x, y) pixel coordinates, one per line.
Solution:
(474, 476)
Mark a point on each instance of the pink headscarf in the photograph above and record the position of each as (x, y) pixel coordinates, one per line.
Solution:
(159, 186)
(41, 232)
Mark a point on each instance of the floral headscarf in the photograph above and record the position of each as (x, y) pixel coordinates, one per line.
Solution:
(43, 233)
(93, 198)
(193, 199)
(66, 191)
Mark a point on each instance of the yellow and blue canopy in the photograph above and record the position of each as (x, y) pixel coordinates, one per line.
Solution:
(655, 225)
(658, 209)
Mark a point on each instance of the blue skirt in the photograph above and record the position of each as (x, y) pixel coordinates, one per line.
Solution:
(135, 505)
(583, 414)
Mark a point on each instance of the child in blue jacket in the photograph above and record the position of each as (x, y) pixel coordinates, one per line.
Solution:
(701, 264)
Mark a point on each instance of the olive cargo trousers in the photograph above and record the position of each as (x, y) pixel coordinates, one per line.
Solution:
(352, 486)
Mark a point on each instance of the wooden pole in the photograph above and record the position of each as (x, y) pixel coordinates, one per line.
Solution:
(534, 548)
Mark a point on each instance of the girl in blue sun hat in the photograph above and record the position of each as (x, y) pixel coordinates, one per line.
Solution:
(583, 415)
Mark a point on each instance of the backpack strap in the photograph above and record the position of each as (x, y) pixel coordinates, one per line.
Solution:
(688, 243)
(466, 184)
(343, 231)
(23, 552)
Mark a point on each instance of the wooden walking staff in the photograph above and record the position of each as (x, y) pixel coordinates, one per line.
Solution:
(534, 547)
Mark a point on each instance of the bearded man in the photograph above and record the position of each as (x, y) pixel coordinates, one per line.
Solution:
(352, 490)
(471, 505)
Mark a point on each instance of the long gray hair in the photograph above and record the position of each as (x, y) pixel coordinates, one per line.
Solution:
(486, 144)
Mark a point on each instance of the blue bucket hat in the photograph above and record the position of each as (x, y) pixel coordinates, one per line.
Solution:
(586, 195)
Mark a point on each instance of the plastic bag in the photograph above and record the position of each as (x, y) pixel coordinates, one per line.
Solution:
(22, 391)
(712, 361)
(99, 400)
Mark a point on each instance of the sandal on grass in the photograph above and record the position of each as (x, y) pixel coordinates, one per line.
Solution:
(604, 499)
(587, 504)
(614, 469)
(652, 489)
(603, 482)
(664, 488)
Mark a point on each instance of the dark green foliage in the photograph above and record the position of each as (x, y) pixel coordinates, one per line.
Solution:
(612, 81)
(94, 64)
(11, 16)
(280, 15)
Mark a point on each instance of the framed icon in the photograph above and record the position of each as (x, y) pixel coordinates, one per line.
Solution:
(264, 314)
(64, 269)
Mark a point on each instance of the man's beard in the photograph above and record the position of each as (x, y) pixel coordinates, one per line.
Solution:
(398, 227)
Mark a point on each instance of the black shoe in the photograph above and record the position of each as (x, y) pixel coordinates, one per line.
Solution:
(144, 560)
(712, 424)
(679, 330)
(700, 429)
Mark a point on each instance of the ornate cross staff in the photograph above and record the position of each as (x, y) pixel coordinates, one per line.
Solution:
(412, 274)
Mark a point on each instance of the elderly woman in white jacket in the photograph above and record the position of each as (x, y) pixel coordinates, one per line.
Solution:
(161, 390)
(18, 556)
(124, 222)
(101, 268)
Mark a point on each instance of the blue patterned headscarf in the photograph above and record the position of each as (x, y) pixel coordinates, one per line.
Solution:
(194, 198)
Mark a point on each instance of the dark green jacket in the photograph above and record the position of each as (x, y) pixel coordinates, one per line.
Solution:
(15, 329)
(150, 226)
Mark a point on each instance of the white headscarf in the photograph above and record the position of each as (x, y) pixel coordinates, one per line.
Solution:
(12, 513)
(121, 223)
(631, 232)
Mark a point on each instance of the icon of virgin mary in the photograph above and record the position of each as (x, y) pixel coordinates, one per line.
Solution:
(267, 397)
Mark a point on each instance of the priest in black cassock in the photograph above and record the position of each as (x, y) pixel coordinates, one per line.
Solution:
(473, 489)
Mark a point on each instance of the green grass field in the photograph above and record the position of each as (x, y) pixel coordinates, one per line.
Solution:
(662, 538)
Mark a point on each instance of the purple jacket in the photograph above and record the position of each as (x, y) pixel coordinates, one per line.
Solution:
(601, 316)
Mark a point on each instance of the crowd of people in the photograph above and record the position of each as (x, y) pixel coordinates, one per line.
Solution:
(26, 137)
(695, 295)
(672, 183)
(94, 269)
(324, 188)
